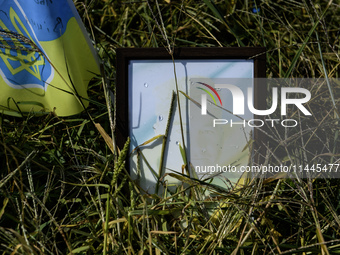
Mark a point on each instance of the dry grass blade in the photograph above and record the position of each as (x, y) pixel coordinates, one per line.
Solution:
(11, 175)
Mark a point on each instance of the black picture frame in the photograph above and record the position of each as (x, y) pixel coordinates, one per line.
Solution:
(125, 55)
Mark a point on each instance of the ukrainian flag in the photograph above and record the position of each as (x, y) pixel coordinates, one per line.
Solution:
(46, 57)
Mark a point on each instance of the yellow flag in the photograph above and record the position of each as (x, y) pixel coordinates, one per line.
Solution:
(46, 57)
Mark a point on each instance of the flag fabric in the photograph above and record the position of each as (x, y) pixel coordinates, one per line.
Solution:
(46, 57)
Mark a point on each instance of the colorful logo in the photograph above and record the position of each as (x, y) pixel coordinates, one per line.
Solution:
(204, 97)
(209, 93)
(22, 59)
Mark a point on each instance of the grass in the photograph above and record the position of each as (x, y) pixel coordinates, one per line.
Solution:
(65, 190)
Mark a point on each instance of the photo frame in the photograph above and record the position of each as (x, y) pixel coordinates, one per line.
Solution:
(166, 140)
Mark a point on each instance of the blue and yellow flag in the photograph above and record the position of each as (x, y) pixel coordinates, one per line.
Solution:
(46, 57)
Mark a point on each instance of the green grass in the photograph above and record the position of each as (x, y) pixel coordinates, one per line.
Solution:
(64, 190)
